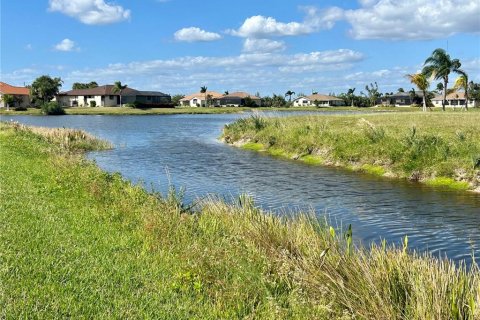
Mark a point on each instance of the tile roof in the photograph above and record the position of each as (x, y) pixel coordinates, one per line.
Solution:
(242, 95)
(200, 95)
(8, 89)
(452, 96)
(105, 90)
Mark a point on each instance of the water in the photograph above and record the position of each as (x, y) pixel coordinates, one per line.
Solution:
(184, 150)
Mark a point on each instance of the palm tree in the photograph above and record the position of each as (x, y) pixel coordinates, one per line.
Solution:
(118, 87)
(439, 65)
(421, 81)
(289, 94)
(440, 87)
(462, 83)
(350, 94)
(226, 93)
(204, 91)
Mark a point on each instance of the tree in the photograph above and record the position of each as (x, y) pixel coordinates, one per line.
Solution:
(462, 83)
(79, 85)
(350, 95)
(439, 87)
(118, 88)
(204, 91)
(226, 93)
(176, 99)
(289, 94)
(439, 66)
(7, 100)
(209, 100)
(373, 93)
(474, 92)
(400, 90)
(421, 81)
(45, 88)
(413, 95)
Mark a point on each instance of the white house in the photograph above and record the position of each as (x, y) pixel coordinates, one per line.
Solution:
(319, 100)
(104, 96)
(454, 99)
(21, 95)
(199, 99)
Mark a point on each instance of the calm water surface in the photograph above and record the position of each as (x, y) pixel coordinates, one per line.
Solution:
(183, 150)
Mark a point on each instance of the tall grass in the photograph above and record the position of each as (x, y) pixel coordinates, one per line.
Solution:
(81, 243)
(415, 146)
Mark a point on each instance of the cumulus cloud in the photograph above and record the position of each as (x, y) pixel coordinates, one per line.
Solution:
(263, 45)
(91, 12)
(194, 34)
(413, 19)
(65, 45)
(245, 71)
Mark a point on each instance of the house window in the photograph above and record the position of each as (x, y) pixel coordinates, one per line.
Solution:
(149, 98)
(110, 97)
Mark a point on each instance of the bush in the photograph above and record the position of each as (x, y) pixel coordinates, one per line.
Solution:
(93, 104)
(20, 108)
(52, 108)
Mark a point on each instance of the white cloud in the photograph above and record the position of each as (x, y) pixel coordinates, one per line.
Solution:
(263, 45)
(413, 19)
(260, 26)
(194, 34)
(65, 45)
(91, 11)
(264, 27)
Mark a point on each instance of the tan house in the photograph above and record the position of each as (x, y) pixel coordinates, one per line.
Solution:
(199, 99)
(239, 98)
(319, 100)
(21, 95)
(104, 96)
(454, 99)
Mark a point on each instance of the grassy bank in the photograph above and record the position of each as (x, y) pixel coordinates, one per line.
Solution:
(77, 242)
(189, 110)
(440, 149)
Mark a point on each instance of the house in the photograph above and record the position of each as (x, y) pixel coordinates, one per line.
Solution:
(199, 99)
(21, 95)
(400, 99)
(319, 100)
(454, 99)
(239, 98)
(104, 96)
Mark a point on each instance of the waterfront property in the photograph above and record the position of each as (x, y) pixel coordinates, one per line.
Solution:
(201, 99)
(319, 100)
(239, 98)
(106, 96)
(21, 96)
(454, 99)
(402, 99)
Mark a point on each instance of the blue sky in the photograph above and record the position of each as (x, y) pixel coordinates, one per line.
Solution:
(267, 46)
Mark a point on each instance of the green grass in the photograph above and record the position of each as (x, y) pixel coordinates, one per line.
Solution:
(415, 146)
(253, 146)
(76, 242)
(448, 183)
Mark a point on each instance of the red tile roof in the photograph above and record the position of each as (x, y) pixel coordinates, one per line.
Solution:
(8, 89)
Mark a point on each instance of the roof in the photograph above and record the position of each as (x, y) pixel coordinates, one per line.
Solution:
(201, 95)
(452, 96)
(320, 97)
(242, 95)
(8, 89)
(404, 94)
(151, 93)
(105, 90)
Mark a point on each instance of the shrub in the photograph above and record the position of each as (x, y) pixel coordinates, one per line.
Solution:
(93, 104)
(52, 108)
(20, 108)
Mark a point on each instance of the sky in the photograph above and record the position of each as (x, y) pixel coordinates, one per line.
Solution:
(258, 46)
